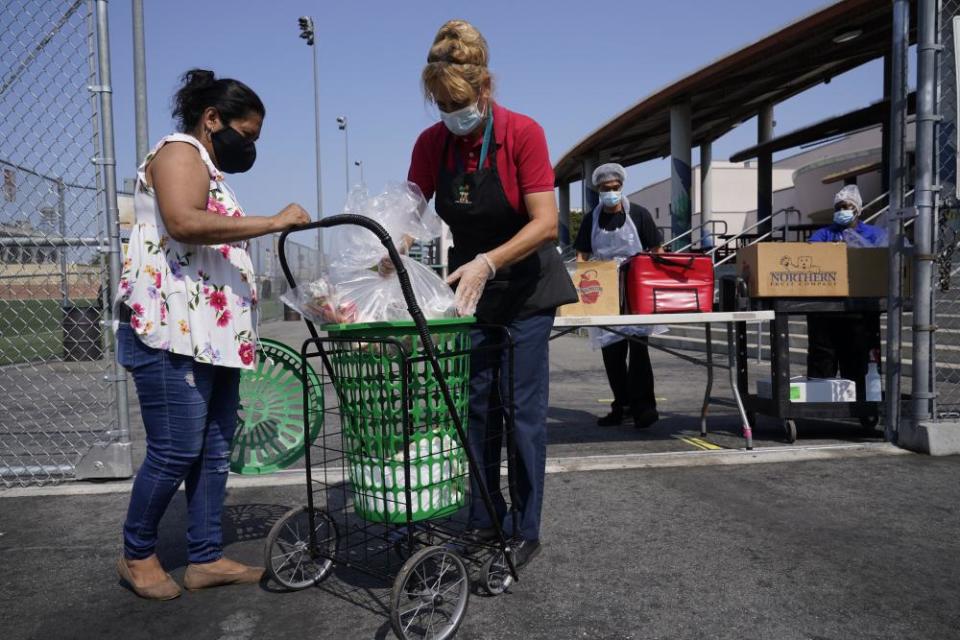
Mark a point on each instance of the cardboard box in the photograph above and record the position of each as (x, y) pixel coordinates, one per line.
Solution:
(868, 271)
(794, 269)
(804, 389)
(598, 286)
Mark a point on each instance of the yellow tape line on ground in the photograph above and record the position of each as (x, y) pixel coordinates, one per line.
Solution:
(700, 443)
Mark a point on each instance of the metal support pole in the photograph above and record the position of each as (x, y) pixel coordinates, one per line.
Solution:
(885, 126)
(62, 251)
(925, 201)
(563, 192)
(107, 160)
(680, 158)
(316, 124)
(140, 82)
(346, 159)
(706, 194)
(589, 197)
(765, 170)
(898, 167)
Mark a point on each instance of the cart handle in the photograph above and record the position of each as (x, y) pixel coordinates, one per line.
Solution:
(666, 259)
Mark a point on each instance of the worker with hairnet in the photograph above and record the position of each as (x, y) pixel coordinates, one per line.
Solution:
(845, 342)
(618, 230)
(847, 226)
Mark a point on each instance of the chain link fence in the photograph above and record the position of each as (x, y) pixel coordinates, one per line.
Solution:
(56, 400)
(303, 261)
(947, 285)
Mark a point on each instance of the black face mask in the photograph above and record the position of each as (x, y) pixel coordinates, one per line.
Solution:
(235, 154)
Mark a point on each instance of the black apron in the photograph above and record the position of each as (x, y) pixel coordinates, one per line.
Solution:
(481, 219)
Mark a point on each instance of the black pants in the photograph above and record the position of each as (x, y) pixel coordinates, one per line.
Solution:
(632, 385)
(844, 342)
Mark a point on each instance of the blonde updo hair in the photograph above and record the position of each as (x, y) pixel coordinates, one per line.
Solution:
(457, 63)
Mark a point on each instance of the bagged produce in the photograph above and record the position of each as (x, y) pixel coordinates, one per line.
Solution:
(351, 289)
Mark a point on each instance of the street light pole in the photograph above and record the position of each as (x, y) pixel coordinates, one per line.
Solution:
(359, 163)
(342, 125)
(307, 33)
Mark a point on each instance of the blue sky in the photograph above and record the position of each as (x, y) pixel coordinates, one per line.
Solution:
(570, 65)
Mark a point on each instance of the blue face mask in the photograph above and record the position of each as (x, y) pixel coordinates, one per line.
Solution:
(844, 217)
(462, 121)
(610, 199)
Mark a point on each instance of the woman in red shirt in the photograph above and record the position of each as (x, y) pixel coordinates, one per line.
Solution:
(490, 173)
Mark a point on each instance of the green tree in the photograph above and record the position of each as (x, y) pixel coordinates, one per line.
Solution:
(576, 218)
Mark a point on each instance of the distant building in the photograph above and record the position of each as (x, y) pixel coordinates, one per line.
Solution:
(806, 181)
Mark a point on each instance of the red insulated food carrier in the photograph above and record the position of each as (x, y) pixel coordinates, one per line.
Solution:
(670, 283)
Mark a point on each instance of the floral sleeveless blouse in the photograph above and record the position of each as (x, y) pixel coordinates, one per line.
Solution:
(193, 300)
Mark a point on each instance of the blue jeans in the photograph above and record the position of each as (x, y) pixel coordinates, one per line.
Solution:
(488, 394)
(189, 412)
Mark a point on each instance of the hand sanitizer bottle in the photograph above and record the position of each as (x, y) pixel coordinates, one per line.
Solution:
(874, 385)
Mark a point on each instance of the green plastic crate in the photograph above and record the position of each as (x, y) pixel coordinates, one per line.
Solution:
(368, 378)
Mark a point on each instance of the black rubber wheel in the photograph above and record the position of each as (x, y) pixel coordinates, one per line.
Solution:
(869, 423)
(430, 595)
(495, 576)
(790, 427)
(287, 554)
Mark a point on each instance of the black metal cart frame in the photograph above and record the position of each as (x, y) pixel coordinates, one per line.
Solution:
(779, 405)
(335, 535)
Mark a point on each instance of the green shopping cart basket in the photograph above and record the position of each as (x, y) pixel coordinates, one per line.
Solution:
(404, 456)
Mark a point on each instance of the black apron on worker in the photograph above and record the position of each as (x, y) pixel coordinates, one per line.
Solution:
(522, 296)
(481, 219)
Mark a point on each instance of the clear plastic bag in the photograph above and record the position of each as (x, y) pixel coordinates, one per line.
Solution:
(363, 295)
(351, 289)
(401, 209)
(857, 241)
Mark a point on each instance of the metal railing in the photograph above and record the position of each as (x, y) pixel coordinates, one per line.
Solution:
(712, 224)
(733, 241)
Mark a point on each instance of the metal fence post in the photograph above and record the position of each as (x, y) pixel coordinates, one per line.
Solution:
(925, 201)
(140, 82)
(110, 459)
(897, 167)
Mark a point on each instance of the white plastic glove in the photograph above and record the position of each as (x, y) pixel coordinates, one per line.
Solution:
(473, 278)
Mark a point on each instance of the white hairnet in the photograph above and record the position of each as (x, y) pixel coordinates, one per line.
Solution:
(607, 172)
(850, 194)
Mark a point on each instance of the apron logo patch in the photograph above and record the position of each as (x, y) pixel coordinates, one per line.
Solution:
(463, 194)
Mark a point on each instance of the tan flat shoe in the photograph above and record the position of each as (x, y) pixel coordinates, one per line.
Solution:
(202, 576)
(165, 590)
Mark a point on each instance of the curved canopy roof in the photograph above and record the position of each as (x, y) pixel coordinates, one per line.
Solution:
(732, 89)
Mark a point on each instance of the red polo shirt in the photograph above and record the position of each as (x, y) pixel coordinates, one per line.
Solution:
(522, 158)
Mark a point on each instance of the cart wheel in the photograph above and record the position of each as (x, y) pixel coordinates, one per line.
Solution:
(869, 423)
(289, 559)
(495, 577)
(269, 434)
(429, 595)
(790, 427)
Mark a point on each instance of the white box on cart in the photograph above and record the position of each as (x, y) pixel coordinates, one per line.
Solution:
(803, 389)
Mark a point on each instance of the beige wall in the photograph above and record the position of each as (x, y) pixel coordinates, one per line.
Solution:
(797, 182)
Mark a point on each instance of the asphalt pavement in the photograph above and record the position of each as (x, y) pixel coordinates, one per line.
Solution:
(656, 533)
(838, 549)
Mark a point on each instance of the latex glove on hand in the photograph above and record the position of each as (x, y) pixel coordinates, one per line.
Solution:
(473, 278)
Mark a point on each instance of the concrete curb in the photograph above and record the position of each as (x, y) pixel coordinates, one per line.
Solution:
(571, 464)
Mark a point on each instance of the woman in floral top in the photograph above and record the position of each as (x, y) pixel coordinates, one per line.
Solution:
(187, 303)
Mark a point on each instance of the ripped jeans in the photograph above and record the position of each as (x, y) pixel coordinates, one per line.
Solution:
(189, 412)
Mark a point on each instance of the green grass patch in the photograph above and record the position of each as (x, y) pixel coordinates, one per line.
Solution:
(31, 330)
